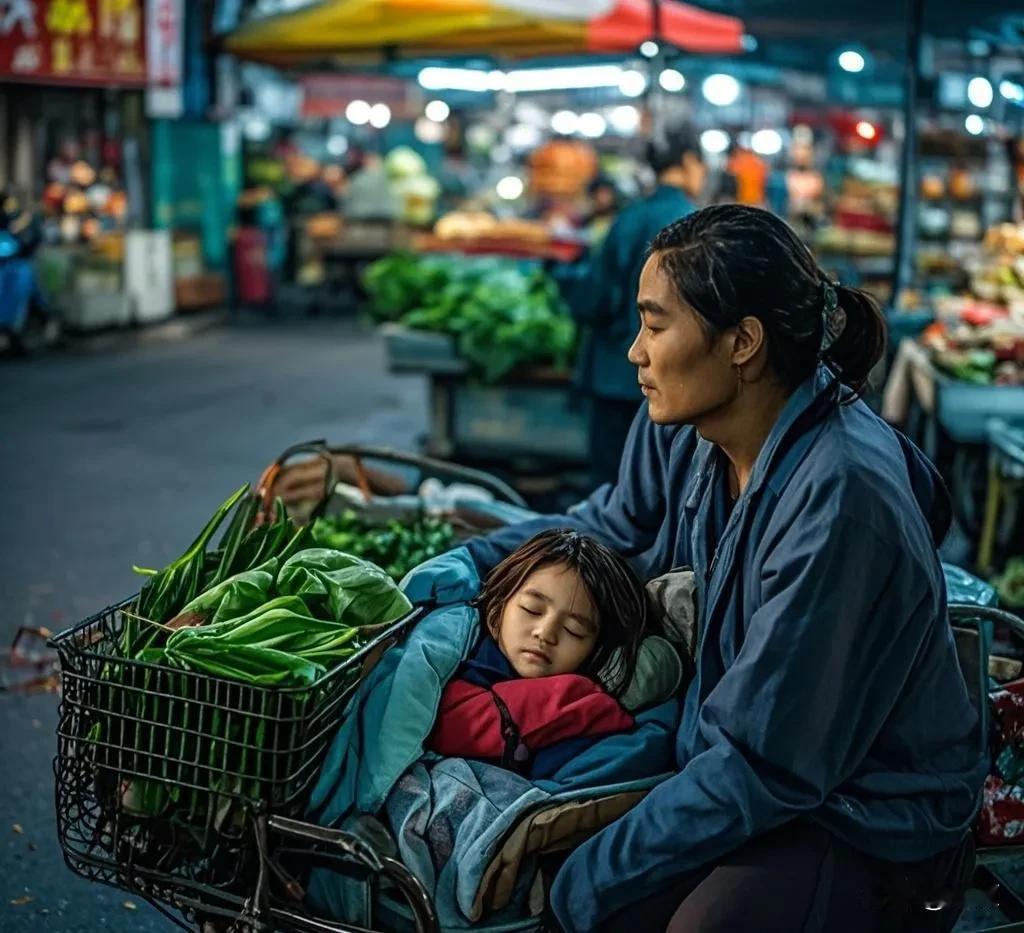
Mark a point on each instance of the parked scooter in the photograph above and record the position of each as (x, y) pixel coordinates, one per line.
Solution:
(25, 316)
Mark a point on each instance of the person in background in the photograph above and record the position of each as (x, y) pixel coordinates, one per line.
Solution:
(602, 295)
(751, 174)
(605, 203)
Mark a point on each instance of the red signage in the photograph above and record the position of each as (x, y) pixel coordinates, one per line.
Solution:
(98, 42)
(327, 95)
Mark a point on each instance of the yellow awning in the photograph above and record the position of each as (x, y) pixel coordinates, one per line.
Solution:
(362, 29)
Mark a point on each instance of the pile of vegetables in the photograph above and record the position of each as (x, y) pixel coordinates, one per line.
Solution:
(503, 317)
(397, 547)
(262, 609)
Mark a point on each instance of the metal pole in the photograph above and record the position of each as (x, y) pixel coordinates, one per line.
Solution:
(906, 229)
(656, 20)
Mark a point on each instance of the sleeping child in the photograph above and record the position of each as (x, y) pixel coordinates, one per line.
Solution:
(555, 614)
(518, 717)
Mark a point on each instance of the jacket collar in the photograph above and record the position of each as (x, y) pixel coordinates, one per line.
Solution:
(808, 405)
(805, 406)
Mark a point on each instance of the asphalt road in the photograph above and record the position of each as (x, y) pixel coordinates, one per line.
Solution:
(118, 455)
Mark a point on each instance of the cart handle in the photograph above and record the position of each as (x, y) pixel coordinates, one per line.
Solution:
(354, 849)
(439, 469)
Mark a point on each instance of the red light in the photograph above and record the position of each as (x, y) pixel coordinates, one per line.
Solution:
(866, 130)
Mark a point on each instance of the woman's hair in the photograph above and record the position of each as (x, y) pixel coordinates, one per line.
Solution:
(616, 591)
(731, 261)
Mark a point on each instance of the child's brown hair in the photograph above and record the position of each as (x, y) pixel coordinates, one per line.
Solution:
(617, 593)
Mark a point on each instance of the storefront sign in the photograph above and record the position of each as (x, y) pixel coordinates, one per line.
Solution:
(165, 28)
(327, 95)
(94, 42)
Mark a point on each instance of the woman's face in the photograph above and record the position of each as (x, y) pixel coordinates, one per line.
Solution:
(684, 377)
(549, 626)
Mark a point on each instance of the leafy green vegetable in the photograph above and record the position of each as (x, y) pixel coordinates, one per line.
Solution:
(502, 316)
(396, 547)
(343, 587)
(402, 282)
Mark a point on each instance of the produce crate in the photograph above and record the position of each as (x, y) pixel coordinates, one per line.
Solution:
(541, 420)
(160, 771)
(419, 351)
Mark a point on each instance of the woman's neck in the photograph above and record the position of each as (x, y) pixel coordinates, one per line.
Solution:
(741, 429)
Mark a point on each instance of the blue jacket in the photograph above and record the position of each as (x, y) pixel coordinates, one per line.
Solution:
(827, 682)
(601, 293)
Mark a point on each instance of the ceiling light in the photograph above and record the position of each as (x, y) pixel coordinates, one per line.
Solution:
(510, 188)
(577, 77)
(672, 80)
(565, 122)
(851, 61)
(523, 136)
(625, 119)
(714, 141)
(649, 48)
(437, 110)
(766, 142)
(434, 78)
(979, 92)
(721, 90)
(380, 116)
(592, 125)
(428, 131)
(358, 112)
(974, 124)
(632, 83)
(866, 130)
(1012, 91)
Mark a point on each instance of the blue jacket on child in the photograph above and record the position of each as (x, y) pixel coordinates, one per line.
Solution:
(827, 682)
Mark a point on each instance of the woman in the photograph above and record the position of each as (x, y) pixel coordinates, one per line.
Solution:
(829, 757)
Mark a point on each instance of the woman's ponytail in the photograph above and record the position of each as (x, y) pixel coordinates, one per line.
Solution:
(861, 344)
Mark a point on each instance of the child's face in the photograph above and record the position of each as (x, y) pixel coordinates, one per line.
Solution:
(549, 626)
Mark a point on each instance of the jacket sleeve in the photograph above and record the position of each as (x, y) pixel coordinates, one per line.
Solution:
(626, 516)
(823, 660)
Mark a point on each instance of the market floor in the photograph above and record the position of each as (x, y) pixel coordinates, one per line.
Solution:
(118, 457)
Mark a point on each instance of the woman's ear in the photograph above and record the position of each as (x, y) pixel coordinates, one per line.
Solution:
(748, 342)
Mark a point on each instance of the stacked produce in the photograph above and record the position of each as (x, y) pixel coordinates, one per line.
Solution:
(262, 607)
(502, 317)
(998, 273)
(989, 351)
(397, 547)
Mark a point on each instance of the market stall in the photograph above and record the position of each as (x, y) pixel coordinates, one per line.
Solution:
(497, 344)
(963, 373)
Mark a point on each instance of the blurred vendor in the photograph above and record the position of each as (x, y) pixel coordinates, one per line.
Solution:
(602, 295)
(605, 203)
